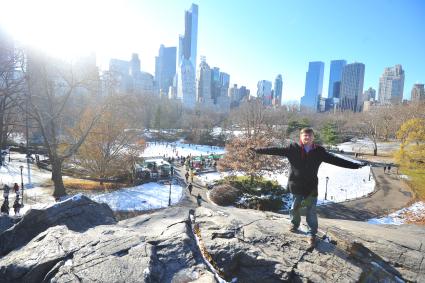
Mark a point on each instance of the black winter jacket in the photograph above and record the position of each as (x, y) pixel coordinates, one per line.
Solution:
(303, 171)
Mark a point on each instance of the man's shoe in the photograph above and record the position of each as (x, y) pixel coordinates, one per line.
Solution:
(293, 229)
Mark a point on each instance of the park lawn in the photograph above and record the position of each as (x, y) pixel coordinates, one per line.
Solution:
(417, 180)
(88, 185)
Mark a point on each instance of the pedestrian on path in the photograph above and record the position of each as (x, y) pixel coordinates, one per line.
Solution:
(190, 187)
(305, 158)
(5, 207)
(385, 169)
(389, 169)
(16, 206)
(16, 188)
(6, 190)
(199, 199)
(186, 176)
(191, 175)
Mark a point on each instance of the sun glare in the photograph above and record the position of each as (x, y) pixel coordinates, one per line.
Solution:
(67, 29)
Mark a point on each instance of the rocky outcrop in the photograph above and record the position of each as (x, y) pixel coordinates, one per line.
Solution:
(398, 250)
(182, 245)
(78, 213)
(256, 247)
(7, 221)
(150, 248)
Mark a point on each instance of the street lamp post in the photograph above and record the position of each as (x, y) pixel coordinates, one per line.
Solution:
(22, 183)
(169, 195)
(326, 191)
(370, 170)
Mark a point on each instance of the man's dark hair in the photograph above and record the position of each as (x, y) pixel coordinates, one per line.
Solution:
(307, 131)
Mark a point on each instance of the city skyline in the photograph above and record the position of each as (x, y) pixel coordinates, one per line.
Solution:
(252, 42)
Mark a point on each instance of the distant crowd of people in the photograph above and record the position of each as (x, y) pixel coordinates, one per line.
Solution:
(16, 204)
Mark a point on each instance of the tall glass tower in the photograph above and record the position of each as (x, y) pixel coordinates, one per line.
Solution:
(187, 55)
(277, 97)
(165, 68)
(335, 76)
(313, 86)
(352, 87)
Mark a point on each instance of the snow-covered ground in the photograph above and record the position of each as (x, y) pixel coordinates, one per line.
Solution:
(179, 149)
(11, 172)
(35, 196)
(366, 146)
(343, 184)
(144, 197)
(413, 213)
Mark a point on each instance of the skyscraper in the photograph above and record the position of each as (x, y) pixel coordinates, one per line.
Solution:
(352, 87)
(187, 56)
(215, 83)
(119, 71)
(190, 44)
(165, 68)
(126, 77)
(313, 86)
(134, 64)
(335, 75)
(391, 85)
(418, 93)
(224, 84)
(369, 94)
(277, 93)
(186, 86)
(204, 84)
(264, 92)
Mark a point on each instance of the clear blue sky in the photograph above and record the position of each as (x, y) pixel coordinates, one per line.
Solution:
(254, 40)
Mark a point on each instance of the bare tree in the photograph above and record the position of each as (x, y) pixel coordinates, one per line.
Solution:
(51, 86)
(240, 158)
(11, 87)
(250, 116)
(111, 147)
(369, 126)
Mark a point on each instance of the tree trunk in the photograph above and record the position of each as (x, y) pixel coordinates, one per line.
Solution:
(59, 190)
(375, 151)
(1, 126)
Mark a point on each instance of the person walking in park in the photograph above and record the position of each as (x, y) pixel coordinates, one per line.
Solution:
(389, 169)
(5, 207)
(190, 187)
(6, 190)
(385, 169)
(16, 206)
(199, 199)
(186, 176)
(305, 158)
(16, 188)
(191, 175)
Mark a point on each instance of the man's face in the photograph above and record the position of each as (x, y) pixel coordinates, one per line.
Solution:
(306, 138)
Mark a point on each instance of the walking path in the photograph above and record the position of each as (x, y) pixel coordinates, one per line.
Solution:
(391, 194)
(189, 200)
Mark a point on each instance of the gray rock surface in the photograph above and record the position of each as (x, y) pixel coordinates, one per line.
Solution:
(7, 221)
(150, 248)
(78, 214)
(398, 250)
(257, 247)
(252, 246)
